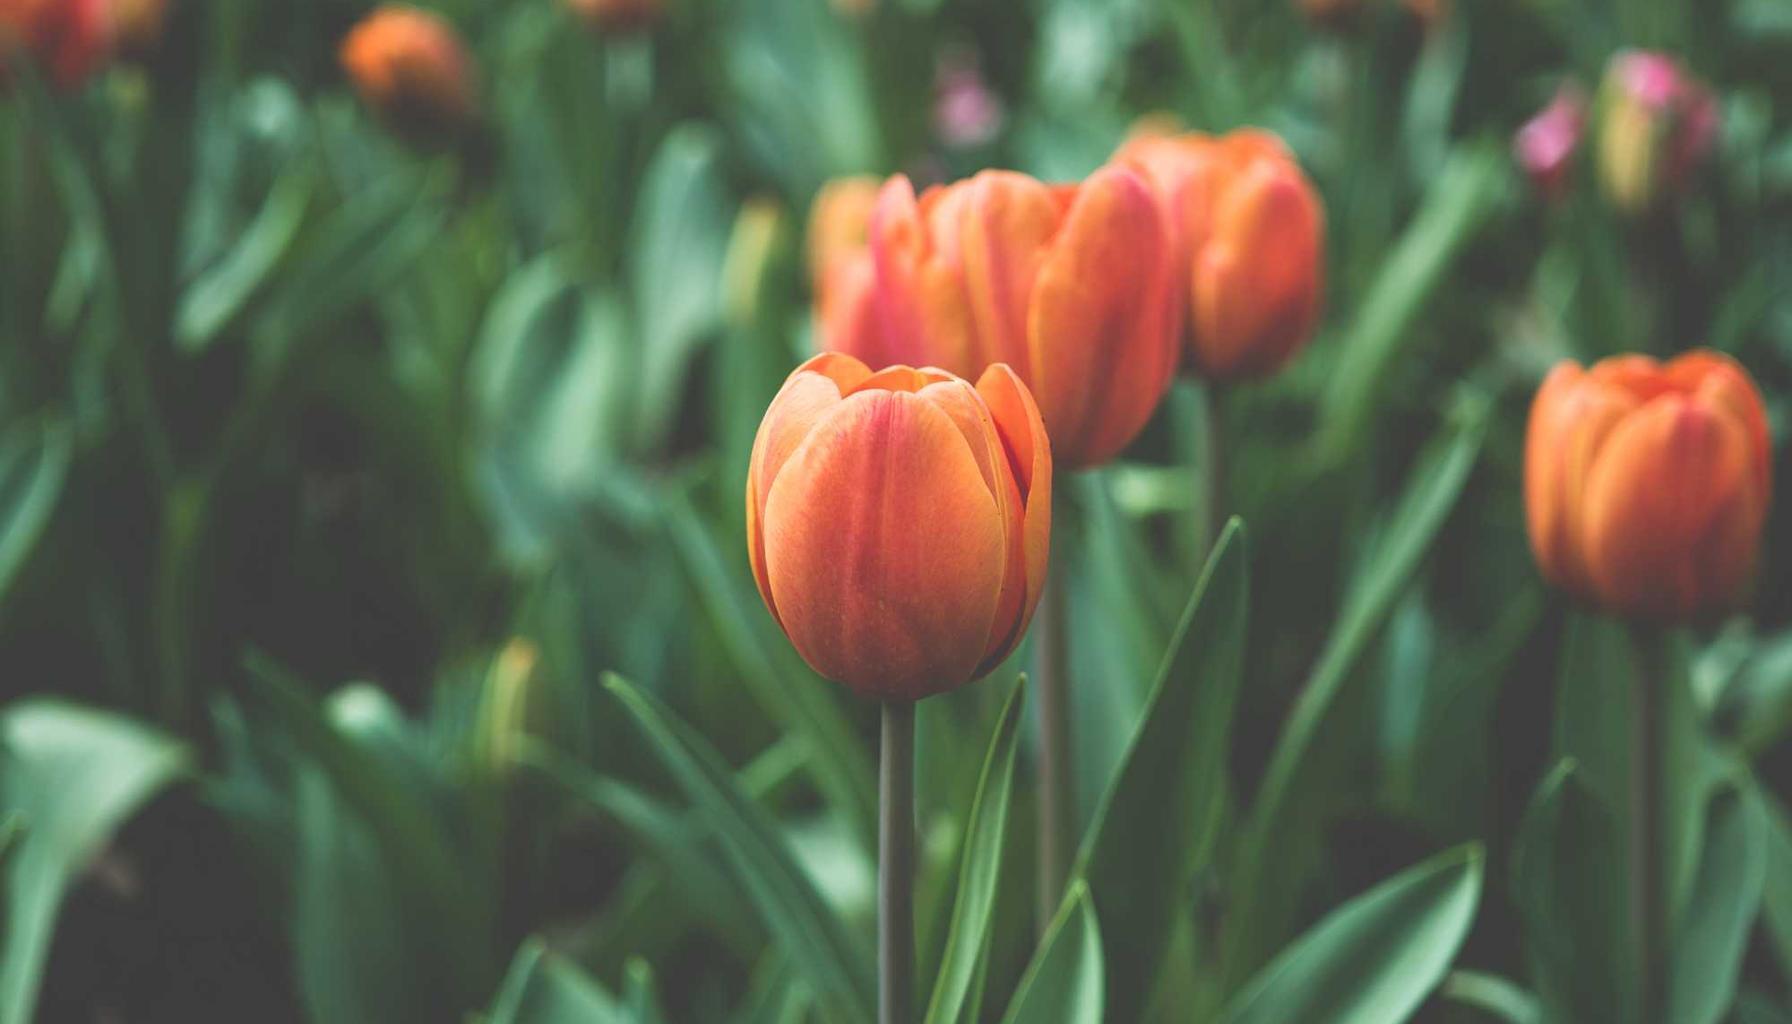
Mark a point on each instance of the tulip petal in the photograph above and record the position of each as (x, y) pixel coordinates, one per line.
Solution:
(1028, 450)
(1570, 420)
(1256, 284)
(1009, 221)
(919, 283)
(884, 549)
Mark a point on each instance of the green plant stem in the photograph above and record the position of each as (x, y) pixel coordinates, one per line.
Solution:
(896, 865)
(1646, 698)
(1213, 460)
(1052, 673)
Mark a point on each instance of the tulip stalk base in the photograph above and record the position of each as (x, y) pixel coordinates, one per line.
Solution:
(1052, 678)
(896, 865)
(1647, 912)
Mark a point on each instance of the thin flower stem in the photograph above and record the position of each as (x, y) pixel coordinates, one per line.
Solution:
(1645, 815)
(896, 866)
(1053, 688)
(1213, 461)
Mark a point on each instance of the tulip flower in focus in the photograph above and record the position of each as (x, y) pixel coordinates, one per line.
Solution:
(618, 15)
(1657, 123)
(68, 39)
(1646, 484)
(898, 522)
(1249, 236)
(410, 67)
(840, 269)
(1070, 285)
(1546, 145)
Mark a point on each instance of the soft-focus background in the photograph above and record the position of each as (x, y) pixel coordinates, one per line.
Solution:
(337, 467)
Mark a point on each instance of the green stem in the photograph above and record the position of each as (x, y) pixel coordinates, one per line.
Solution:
(1213, 460)
(1645, 816)
(896, 866)
(1053, 689)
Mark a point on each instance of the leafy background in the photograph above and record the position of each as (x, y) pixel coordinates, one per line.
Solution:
(378, 636)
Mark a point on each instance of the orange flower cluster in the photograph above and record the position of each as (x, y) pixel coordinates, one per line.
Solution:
(898, 522)
(1646, 484)
(410, 67)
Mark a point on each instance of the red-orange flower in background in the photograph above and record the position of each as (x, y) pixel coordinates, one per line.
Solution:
(1646, 484)
(898, 522)
(618, 15)
(1249, 234)
(69, 39)
(1068, 284)
(840, 268)
(410, 67)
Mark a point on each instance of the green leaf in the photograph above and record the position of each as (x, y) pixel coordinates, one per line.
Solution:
(967, 942)
(1709, 943)
(1776, 902)
(73, 776)
(1494, 996)
(1063, 983)
(215, 297)
(1570, 882)
(542, 988)
(792, 910)
(1283, 832)
(1375, 959)
(780, 682)
(34, 461)
(680, 237)
(1155, 826)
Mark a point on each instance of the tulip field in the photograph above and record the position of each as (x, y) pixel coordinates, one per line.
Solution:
(784, 511)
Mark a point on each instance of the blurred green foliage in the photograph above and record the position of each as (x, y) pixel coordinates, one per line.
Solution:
(301, 429)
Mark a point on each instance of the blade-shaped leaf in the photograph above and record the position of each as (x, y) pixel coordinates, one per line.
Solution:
(1726, 895)
(1156, 823)
(1063, 984)
(1374, 960)
(542, 988)
(33, 463)
(73, 776)
(1282, 836)
(1494, 996)
(784, 896)
(967, 942)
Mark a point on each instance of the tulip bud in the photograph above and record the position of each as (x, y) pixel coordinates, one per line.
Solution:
(1545, 146)
(1249, 236)
(1657, 123)
(511, 707)
(68, 39)
(618, 16)
(1646, 484)
(410, 68)
(1069, 285)
(898, 522)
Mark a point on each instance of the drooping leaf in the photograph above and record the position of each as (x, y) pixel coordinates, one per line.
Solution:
(72, 777)
(786, 900)
(1063, 984)
(1494, 996)
(1709, 943)
(34, 461)
(216, 296)
(1375, 959)
(1155, 826)
(967, 943)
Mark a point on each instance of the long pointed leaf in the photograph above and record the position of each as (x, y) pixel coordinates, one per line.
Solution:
(1063, 984)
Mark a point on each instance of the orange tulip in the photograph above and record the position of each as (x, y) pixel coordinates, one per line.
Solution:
(410, 67)
(1069, 285)
(69, 39)
(898, 522)
(1646, 484)
(840, 269)
(1250, 245)
(618, 15)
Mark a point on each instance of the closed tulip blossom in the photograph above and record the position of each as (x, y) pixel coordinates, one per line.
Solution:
(67, 39)
(1067, 284)
(1657, 123)
(410, 67)
(1249, 238)
(1646, 484)
(898, 522)
(840, 268)
(1546, 145)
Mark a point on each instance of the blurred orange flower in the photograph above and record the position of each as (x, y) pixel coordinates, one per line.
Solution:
(840, 270)
(1249, 235)
(1070, 285)
(410, 67)
(899, 522)
(618, 15)
(69, 39)
(1646, 484)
